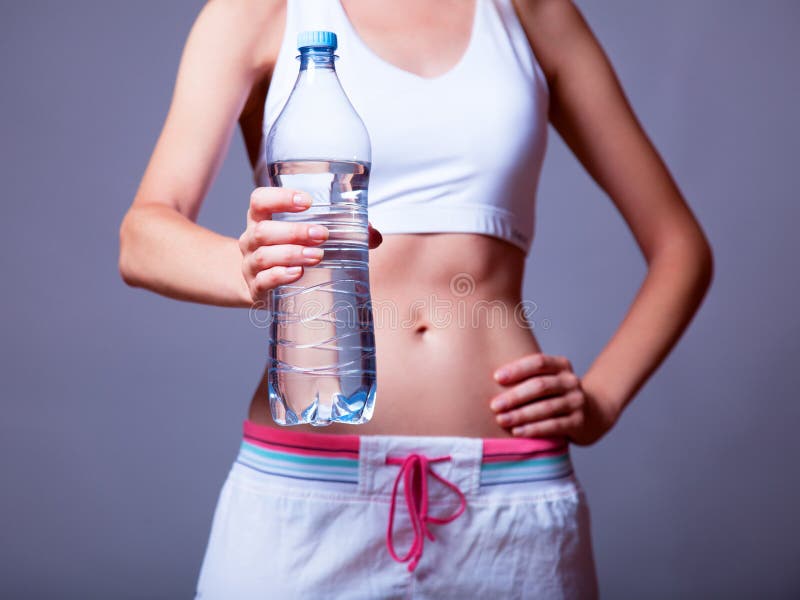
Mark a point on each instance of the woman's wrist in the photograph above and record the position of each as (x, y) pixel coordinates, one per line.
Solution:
(245, 298)
(240, 291)
(608, 404)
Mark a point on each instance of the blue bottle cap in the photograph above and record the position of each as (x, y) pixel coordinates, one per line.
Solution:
(318, 39)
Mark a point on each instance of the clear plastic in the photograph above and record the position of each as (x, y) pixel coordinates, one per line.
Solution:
(322, 343)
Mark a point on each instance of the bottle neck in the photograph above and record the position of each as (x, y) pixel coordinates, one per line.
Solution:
(317, 59)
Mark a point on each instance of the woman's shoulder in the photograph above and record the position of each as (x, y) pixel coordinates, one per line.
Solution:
(255, 26)
(551, 26)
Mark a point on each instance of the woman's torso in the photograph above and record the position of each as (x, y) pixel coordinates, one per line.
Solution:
(448, 308)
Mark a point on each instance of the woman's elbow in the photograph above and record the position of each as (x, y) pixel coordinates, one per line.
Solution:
(126, 262)
(705, 262)
(696, 257)
(686, 249)
(700, 255)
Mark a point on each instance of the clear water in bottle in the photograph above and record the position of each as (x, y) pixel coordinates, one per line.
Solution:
(322, 345)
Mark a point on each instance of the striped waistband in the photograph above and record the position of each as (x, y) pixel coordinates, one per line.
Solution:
(326, 457)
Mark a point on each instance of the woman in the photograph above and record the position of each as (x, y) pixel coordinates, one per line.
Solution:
(473, 420)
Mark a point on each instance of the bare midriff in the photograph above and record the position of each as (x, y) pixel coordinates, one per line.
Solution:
(448, 312)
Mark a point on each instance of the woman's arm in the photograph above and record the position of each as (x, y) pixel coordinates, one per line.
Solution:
(591, 113)
(161, 246)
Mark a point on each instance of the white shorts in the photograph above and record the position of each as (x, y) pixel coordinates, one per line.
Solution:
(312, 515)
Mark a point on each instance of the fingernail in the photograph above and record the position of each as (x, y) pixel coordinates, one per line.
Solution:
(317, 233)
(301, 200)
(293, 270)
(313, 252)
(497, 404)
(503, 419)
(517, 431)
(501, 374)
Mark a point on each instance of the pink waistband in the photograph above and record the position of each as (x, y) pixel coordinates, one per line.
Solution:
(494, 449)
(414, 470)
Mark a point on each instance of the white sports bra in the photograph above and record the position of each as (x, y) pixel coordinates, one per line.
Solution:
(461, 152)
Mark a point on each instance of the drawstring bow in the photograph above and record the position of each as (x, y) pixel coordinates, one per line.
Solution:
(414, 471)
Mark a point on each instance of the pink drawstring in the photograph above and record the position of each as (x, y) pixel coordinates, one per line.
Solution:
(414, 471)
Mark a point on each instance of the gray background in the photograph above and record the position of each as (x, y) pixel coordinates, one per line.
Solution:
(122, 410)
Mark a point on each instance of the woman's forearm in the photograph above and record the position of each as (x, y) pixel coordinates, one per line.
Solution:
(676, 283)
(163, 251)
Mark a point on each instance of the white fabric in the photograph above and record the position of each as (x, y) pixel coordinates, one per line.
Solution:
(461, 152)
(277, 537)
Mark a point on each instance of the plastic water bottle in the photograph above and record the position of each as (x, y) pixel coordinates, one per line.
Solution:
(322, 343)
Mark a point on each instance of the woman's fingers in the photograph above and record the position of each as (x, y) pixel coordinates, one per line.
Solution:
(271, 278)
(272, 266)
(542, 410)
(270, 233)
(545, 397)
(529, 365)
(275, 252)
(375, 237)
(560, 426)
(264, 201)
(266, 257)
(540, 386)
(267, 200)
